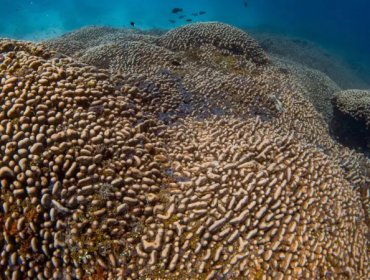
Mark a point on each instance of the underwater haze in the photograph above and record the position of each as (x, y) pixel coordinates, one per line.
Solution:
(336, 22)
(341, 26)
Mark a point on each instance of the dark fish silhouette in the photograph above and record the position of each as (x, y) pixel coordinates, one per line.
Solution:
(181, 17)
(202, 12)
(177, 10)
(172, 21)
(132, 23)
(245, 4)
(189, 20)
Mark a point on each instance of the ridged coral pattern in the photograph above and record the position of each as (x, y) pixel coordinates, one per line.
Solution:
(185, 155)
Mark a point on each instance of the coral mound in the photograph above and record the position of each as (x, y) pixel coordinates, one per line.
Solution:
(77, 164)
(129, 57)
(355, 103)
(76, 42)
(137, 160)
(249, 203)
(316, 86)
(351, 123)
(79, 40)
(220, 35)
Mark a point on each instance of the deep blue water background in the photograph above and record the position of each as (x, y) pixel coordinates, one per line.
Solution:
(342, 26)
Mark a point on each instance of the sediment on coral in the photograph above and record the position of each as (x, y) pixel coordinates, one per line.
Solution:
(178, 155)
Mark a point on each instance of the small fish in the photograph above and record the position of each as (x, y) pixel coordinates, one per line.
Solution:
(172, 21)
(189, 20)
(181, 17)
(132, 23)
(202, 13)
(245, 4)
(177, 10)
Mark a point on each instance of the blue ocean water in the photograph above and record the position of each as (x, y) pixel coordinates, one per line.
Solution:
(334, 22)
(342, 26)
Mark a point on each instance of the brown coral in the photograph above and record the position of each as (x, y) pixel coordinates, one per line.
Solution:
(76, 164)
(250, 203)
(220, 35)
(130, 57)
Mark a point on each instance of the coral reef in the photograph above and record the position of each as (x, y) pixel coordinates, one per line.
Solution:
(317, 87)
(222, 36)
(115, 56)
(183, 155)
(253, 204)
(355, 103)
(352, 118)
(77, 41)
(77, 164)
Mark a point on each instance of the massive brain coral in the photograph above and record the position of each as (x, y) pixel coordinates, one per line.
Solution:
(220, 35)
(245, 203)
(316, 86)
(130, 57)
(77, 164)
(355, 103)
(74, 43)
